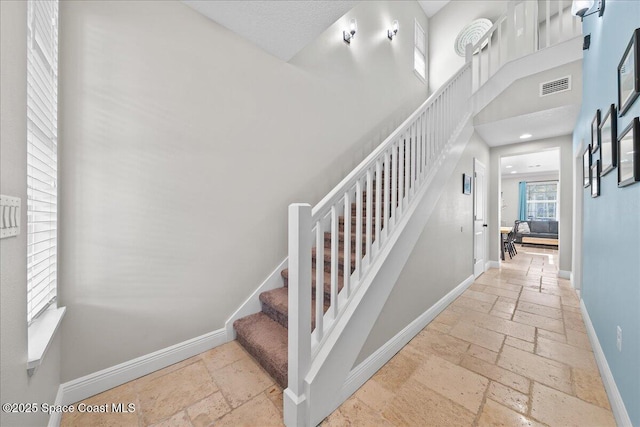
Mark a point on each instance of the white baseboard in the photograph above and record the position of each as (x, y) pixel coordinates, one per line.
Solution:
(367, 368)
(56, 417)
(564, 274)
(89, 385)
(493, 264)
(617, 404)
(252, 304)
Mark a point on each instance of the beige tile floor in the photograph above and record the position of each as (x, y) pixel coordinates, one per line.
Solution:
(512, 350)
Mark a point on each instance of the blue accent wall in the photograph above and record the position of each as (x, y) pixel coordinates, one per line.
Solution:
(611, 239)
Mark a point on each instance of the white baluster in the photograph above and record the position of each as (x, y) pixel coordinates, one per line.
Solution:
(358, 241)
(335, 258)
(548, 23)
(378, 210)
(319, 278)
(369, 219)
(387, 186)
(560, 38)
(347, 245)
(394, 182)
(400, 174)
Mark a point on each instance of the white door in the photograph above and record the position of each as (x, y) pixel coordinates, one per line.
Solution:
(479, 218)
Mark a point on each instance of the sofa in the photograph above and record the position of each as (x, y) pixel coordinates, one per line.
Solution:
(537, 229)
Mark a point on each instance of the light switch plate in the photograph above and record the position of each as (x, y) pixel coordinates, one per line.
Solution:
(9, 216)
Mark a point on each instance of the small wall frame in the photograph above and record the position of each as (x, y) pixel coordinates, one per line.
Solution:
(466, 184)
(595, 179)
(586, 167)
(629, 154)
(629, 74)
(595, 132)
(608, 141)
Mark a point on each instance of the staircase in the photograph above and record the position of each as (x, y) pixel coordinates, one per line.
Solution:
(264, 334)
(347, 252)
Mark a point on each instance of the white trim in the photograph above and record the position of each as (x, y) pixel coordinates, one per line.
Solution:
(252, 304)
(564, 274)
(40, 334)
(367, 368)
(617, 404)
(97, 382)
(493, 264)
(56, 417)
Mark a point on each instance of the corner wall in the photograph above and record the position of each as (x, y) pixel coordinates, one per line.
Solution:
(182, 145)
(611, 222)
(565, 225)
(15, 385)
(441, 259)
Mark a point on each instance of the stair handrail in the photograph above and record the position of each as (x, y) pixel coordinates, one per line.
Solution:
(398, 168)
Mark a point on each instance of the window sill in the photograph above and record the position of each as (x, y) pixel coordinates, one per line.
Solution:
(41, 333)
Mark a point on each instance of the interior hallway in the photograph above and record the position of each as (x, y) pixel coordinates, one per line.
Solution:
(512, 350)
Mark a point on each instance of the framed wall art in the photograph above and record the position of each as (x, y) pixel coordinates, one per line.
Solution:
(595, 179)
(629, 154)
(595, 135)
(586, 167)
(608, 138)
(466, 184)
(629, 74)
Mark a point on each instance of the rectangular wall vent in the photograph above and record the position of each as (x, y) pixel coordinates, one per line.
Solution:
(555, 86)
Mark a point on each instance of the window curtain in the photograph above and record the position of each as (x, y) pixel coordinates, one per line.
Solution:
(522, 201)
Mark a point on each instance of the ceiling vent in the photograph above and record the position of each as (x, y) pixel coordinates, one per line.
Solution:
(555, 86)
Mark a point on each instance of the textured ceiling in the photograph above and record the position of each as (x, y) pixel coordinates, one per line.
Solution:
(281, 28)
(431, 7)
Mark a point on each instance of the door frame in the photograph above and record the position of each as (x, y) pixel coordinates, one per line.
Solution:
(483, 267)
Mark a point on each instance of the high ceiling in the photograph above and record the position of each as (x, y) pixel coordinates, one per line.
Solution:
(283, 28)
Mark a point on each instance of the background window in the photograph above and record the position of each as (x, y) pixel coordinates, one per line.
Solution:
(42, 152)
(542, 201)
(420, 52)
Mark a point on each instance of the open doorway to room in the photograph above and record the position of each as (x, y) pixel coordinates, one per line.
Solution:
(529, 209)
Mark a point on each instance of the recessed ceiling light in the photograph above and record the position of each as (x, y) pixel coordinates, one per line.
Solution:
(514, 171)
(508, 167)
(525, 136)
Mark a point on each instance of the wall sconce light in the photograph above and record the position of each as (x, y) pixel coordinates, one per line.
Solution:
(348, 35)
(581, 7)
(393, 30)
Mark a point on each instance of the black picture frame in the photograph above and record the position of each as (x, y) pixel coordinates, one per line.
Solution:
(608, 141)
(586, 167)
(629, 154)
(629, 74)
(595, 179)
(595, 134)
(466, 184)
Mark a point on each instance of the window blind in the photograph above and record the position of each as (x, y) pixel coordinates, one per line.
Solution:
(420, 52)
(42, 142)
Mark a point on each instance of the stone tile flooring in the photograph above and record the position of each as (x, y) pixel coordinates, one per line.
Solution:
(512, 350)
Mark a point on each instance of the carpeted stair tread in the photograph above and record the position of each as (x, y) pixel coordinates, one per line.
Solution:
(275, 304)
(327, 281)
(266, 340)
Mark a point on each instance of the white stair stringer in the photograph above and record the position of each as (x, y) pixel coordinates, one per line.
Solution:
(332, 364)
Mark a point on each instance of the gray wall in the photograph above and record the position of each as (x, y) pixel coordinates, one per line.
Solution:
(441, 260)
(444, 27)
(182, 146)
(15, 384)
(565, 225)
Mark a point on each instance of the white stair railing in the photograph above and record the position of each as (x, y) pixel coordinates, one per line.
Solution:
(522, 30)
(373, 198)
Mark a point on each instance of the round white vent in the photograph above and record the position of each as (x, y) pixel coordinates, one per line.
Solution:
(471, 34)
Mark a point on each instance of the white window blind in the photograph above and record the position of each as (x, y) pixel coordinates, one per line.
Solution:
(542, 200)
(42, 142)
(420, 52)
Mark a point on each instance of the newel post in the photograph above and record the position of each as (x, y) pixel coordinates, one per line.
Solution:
(300, 241)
